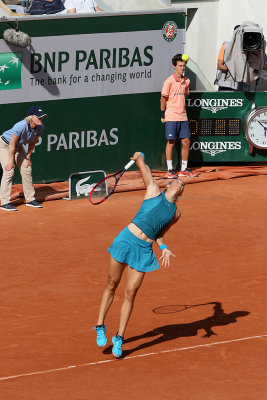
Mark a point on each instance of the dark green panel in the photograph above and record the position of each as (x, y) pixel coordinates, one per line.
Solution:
(136, 117)
(82, 183)
(237, 145)
(135, 120)
(96, 24)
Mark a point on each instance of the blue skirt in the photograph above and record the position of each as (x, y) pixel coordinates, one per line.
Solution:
(137, 253)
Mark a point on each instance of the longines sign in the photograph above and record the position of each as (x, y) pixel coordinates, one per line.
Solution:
(214, 105)
(213, 148)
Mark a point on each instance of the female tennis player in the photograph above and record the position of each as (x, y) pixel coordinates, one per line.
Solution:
(132, 249)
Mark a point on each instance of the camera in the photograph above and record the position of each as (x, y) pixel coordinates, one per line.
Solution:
(251, 35)
(244, 56)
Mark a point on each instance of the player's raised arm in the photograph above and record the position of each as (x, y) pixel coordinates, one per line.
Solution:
(152, 188)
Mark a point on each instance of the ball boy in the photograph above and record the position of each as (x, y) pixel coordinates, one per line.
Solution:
(173, 113)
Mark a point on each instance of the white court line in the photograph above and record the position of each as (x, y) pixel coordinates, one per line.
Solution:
(5, 378)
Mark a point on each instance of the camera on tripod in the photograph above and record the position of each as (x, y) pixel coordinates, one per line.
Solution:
(252, 38)
(245, 54)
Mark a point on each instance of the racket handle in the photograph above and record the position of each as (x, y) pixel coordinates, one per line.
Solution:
(130, 163)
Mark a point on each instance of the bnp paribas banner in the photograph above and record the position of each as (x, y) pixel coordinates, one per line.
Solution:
(104, 59)
(98, 77)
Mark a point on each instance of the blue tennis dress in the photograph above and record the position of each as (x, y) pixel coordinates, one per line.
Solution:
(153, 215)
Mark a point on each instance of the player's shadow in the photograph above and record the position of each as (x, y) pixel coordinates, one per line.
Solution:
(175, 331)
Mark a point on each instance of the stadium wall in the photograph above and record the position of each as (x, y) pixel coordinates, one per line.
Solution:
(99, 79)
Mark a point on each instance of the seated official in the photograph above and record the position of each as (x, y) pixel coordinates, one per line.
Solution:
(40, 7)
(81, 6)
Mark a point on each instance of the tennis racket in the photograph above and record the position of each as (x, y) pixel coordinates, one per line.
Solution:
(104, 188)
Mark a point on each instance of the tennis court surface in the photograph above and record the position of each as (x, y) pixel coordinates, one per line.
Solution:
(54, 263)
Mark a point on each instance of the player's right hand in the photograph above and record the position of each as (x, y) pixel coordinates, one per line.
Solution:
(165, 257)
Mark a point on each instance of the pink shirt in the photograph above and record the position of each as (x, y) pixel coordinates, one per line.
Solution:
(175, 91)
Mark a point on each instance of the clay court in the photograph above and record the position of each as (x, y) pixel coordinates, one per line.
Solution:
(54, 263)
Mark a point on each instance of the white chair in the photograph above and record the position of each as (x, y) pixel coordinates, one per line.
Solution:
(16, 8)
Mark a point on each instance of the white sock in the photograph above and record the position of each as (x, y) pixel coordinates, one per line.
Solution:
(169, 165)
(184, 165)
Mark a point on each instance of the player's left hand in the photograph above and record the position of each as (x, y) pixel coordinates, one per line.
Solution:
(136, 155)
(165, 257)
(28, 163)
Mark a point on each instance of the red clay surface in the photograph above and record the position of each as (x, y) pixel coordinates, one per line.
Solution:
(53, 269)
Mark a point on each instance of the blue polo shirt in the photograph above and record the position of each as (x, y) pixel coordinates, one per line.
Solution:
(25, 133)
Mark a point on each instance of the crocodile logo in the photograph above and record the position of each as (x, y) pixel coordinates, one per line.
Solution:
(84, 189)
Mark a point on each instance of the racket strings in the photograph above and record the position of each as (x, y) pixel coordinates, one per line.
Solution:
(102, 190)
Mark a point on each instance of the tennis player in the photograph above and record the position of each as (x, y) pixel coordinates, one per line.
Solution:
(132, 250)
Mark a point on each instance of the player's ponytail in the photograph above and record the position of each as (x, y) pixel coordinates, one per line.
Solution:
(28, 119)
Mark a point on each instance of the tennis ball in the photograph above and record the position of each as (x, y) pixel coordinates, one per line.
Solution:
(185, 57)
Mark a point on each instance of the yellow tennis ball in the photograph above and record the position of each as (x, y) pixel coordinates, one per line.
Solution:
(185, 57)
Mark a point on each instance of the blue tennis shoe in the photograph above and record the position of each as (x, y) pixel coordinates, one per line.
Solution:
(117, 341)
(101, 339)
